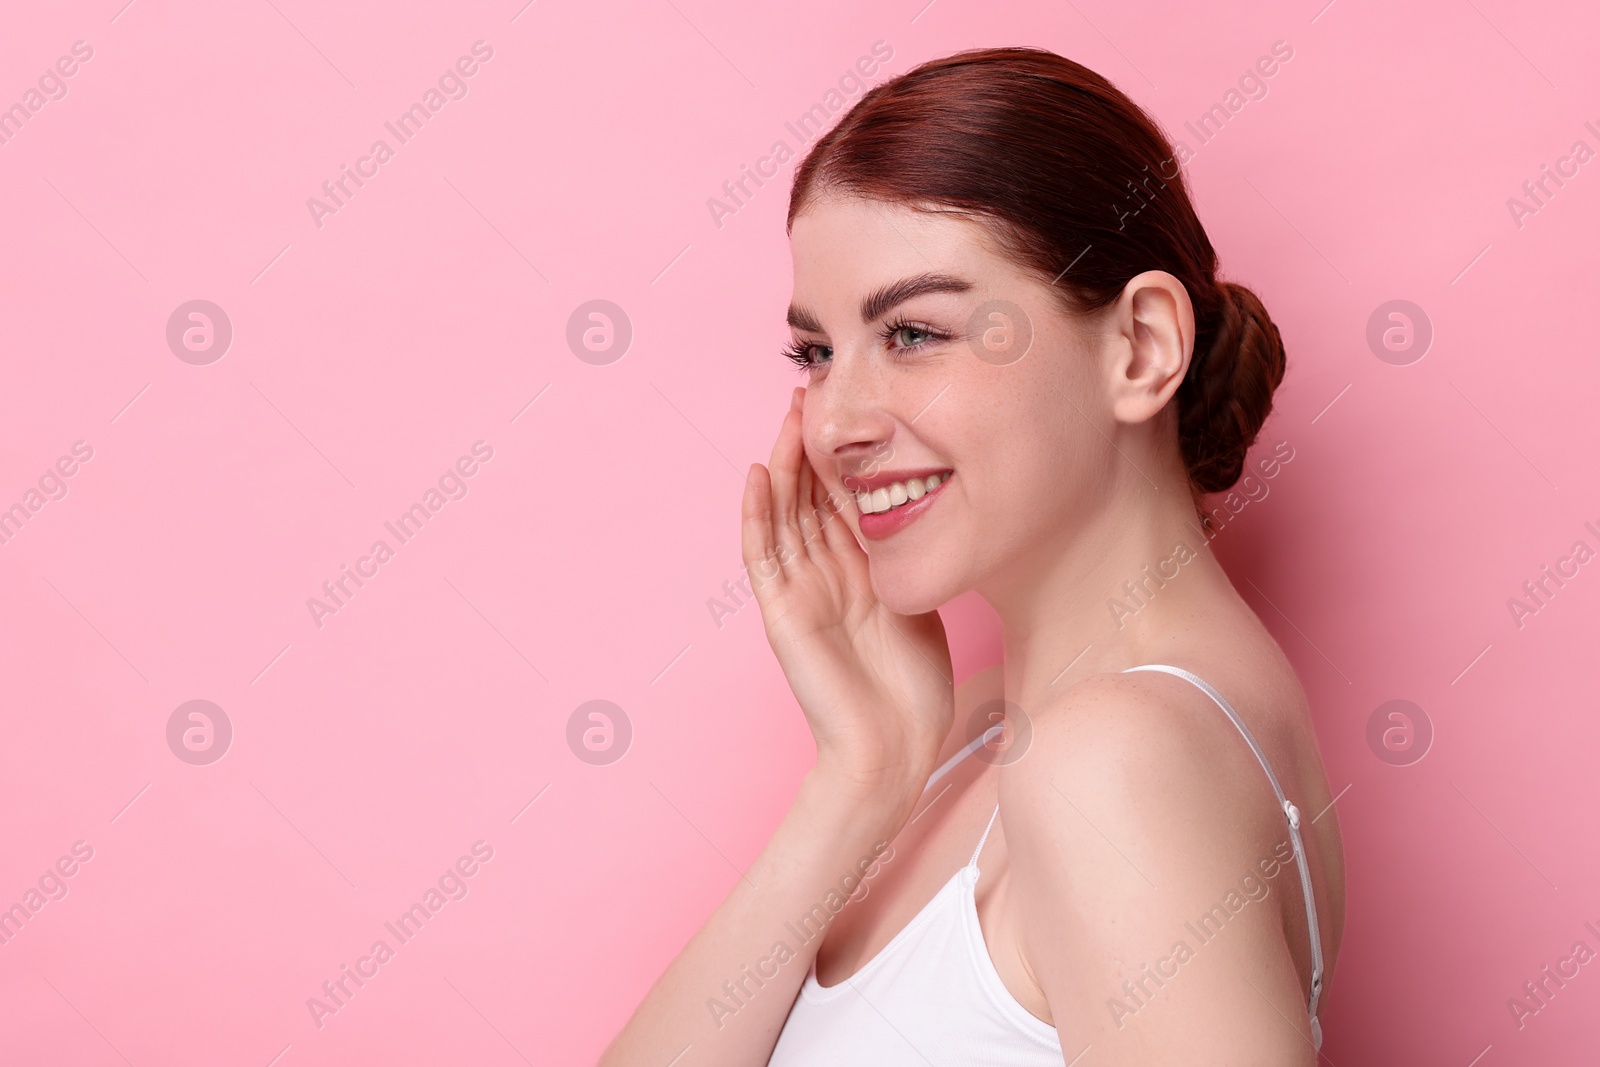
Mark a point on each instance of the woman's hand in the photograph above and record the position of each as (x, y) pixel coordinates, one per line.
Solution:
(875, 686)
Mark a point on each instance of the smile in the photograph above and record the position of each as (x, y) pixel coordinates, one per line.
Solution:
(888, 509)
(898, 494)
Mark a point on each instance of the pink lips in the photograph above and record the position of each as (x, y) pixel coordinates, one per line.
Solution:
(884, 524)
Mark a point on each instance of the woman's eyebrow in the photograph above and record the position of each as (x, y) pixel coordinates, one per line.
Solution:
(879, 302)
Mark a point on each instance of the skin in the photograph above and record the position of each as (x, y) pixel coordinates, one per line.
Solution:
(1134, 806)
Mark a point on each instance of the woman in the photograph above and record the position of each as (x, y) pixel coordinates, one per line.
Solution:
(1022, 373)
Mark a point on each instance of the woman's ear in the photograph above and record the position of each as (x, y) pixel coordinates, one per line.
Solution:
(1152, 327)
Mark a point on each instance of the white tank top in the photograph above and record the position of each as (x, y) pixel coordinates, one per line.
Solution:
(932, 994)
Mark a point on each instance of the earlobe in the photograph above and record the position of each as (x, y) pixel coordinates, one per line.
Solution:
(1157, 325)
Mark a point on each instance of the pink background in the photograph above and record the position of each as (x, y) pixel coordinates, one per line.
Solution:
(371, 352)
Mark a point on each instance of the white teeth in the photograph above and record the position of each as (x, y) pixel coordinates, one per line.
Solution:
(893, 496)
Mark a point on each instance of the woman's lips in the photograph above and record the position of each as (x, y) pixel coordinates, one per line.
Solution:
(883, 524)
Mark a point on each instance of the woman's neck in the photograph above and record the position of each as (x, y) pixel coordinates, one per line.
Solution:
(1119, 590)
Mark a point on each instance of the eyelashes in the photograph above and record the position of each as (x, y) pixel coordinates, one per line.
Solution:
(799, 352)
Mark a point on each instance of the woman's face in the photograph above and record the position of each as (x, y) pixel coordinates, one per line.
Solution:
(932, 353)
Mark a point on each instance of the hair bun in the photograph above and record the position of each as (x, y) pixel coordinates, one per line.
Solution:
(1227, 393)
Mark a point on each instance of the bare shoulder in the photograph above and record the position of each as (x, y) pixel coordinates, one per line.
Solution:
(1136, 812)
(1159, 751)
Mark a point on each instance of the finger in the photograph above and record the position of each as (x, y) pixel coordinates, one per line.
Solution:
(839, 509)
(787, 452)
(755, 542)
(810, 521)
(823, 506)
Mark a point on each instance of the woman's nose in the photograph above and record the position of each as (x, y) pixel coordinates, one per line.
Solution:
(848, 414)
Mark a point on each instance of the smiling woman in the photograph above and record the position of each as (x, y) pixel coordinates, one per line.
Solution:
(1017, 387)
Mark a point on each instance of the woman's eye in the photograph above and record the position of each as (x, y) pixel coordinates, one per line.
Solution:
(919, 335)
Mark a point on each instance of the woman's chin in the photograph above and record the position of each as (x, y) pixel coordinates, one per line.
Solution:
(914, 593)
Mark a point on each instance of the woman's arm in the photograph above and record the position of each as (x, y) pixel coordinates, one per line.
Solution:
(725, 997)
(877, 694)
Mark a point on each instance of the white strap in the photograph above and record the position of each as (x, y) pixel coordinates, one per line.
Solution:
(973, 862)
(1292, 814)
(968, 749)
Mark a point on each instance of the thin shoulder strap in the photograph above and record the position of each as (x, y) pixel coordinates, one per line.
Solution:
(973, 862)
(966, 750)
(1291, 813)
